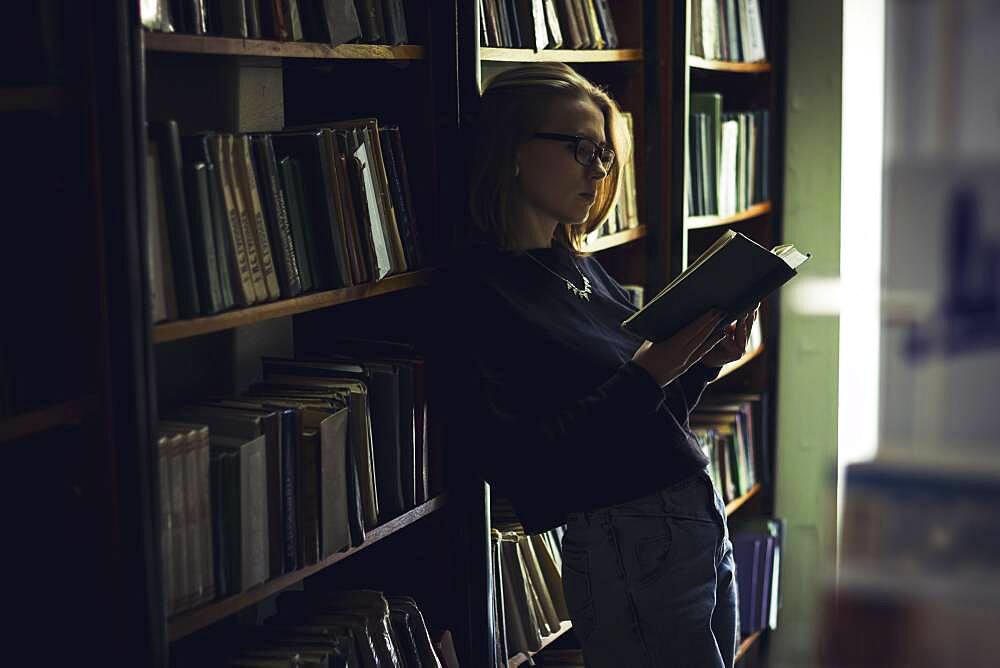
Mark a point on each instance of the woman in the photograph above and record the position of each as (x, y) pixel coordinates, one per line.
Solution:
(576, 420)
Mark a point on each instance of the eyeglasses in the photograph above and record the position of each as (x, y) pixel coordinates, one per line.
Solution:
(586, 150)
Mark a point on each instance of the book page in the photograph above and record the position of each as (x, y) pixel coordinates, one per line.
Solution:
(791, 255)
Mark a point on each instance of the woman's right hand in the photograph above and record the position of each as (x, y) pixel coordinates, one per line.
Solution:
(671, 357)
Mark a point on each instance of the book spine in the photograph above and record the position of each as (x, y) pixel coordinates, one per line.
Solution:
(276, 217)
(255, 212)
(381, 189)
(296, 222)
(396, 192)
(289, 469)
(231, 162)
(178, 227)
(203, 238)
(243, 288)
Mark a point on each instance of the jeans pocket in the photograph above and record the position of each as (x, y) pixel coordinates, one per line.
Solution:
(651, 557)
(578, 592)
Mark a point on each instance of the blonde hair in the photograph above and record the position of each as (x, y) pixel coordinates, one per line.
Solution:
(514, 106)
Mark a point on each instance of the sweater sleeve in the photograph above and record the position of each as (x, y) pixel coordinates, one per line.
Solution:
(584, 428)
(682, 395)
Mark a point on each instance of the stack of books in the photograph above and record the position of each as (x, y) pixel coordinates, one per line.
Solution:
(328, 21)
(528, 600)
(547, 24)
(237, 219)
(757, 553)
(729, 430)
(727, 30)
(361, 627)
(300, 467)
(728, 158)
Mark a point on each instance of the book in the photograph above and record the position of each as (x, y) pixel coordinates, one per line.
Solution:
(733, 274)
(167, 140)
(276, 214)
(196, 182)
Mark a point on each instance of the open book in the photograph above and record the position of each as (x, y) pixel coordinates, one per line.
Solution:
(733, 275)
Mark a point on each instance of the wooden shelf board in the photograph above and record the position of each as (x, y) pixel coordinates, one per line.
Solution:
(616, 239)
(182, 329)
(747, 644)
(33, 98)
(190, 621)
(699, 63)
(235, 46)
(700, 222)
(26, 424)
(735, 504)
(521, 657)
(733, 366)
(501, 55)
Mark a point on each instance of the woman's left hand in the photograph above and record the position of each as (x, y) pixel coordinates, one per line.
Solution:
(733, 346)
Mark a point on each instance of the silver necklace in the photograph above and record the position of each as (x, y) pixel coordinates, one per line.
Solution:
(583, 294)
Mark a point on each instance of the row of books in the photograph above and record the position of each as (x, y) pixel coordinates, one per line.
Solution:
(729, 431)
(298, 468)
(547, 24)
(728, 158)
(757, 553)
(331, 22)
(727, 30)
(238, 219)
(528, 603)
(362, 627)
(625, 213)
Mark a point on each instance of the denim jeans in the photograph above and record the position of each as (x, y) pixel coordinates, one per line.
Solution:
(651, 582)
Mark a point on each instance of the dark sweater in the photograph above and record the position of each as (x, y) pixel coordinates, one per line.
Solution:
(559, 418)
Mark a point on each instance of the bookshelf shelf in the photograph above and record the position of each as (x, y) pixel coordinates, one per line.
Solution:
(500, 55)
(699, 63)
(33, 98)
(747, 644)
(182, 329)
(746, 359)
(521, 657)
(235, 46)
(702, 222)
(19, 426)
(735, 504)
(616, 239)
(188, 622)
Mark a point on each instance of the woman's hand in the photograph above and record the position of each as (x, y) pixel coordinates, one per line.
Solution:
(670, 358)
(734, 343)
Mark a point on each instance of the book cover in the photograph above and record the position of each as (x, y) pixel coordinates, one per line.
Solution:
(733, 274)
(203, 237)
(298, 221)
(276, 215)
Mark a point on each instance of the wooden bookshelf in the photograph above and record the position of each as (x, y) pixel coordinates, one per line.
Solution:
(502, 55)
(19, 426)
(699, 63)
(736, 503)
(235, 46)
(521, 657)
(746, 645)
(188, 622)
(33, 98)
(755, 211)
(616, 239)
(182, 329)
(746, 359)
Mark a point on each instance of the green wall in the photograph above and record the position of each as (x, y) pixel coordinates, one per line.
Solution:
(808, 355)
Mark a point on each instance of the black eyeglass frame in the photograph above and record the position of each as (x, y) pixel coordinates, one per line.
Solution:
(600, 149)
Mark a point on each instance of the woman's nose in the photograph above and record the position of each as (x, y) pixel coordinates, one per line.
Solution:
(597, 170)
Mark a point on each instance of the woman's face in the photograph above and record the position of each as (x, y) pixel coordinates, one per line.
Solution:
(552, 183)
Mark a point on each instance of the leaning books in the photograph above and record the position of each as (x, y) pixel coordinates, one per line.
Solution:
(732, 275)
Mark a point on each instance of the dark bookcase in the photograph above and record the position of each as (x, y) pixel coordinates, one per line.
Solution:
(87, 373)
